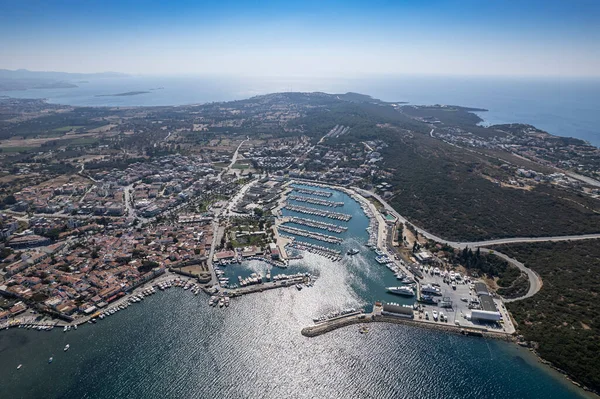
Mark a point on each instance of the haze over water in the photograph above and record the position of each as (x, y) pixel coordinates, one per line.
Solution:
(564, 107)
(173, 345)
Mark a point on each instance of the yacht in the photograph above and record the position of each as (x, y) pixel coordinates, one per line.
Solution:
(402, 290)
(67, 346)
(65, 329)
(435, 315)
(19, 366)
(352, 251)
(430, 289)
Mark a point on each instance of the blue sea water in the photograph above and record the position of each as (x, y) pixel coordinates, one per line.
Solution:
(565, 107)
(173, 345)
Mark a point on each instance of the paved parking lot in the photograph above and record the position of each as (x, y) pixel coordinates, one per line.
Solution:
(460, 308)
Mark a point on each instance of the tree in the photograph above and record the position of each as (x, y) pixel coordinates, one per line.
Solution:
(9, 200)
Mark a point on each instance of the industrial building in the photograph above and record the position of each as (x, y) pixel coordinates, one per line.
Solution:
(396, 310)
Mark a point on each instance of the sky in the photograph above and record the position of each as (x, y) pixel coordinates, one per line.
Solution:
(303, 37)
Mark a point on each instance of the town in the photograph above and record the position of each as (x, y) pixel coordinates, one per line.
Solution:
(103, 207)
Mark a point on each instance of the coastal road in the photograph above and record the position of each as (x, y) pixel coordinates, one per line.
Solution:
(535, 282)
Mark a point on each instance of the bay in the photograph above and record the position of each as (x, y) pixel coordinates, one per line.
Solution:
(173, 345)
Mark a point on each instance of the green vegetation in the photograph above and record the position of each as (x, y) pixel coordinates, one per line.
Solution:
(66, 128)
(18, 149)
(511, 282)
(564, 317)
(442, 189)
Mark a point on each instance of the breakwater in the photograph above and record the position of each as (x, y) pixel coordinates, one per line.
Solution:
(327, 326)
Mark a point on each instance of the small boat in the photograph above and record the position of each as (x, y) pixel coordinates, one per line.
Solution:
(221, 302)
(67, 346)
(75, 326)
(51, 359)
(65, 329)
(19, 366)
(352, 251)
(298, 287)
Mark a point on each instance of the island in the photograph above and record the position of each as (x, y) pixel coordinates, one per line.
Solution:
(128, 93)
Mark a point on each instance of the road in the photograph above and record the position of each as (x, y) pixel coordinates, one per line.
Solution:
(535, 282)
(228, 211)
(233, 158)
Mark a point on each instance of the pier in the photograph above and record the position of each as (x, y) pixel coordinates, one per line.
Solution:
(309, 191)
(332, 254)
(267, 286)
(310, 234)
(315, 201)
(318, 212)
(334, 228)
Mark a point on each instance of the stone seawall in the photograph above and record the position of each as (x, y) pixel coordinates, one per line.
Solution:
(326, 327)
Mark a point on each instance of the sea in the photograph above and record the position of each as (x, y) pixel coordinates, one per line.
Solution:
(562, 106)
(174, 345)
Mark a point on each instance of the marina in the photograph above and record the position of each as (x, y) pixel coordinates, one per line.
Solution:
(334, 228)
(309, 234)
(274, 316)
(309, 191)
(315, 201)
(318, 212)
(332, 254)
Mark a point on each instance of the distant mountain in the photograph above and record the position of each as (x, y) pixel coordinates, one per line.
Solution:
(23, 79)
(27, 74)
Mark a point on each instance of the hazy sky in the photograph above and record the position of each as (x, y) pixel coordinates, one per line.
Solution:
(303, 37)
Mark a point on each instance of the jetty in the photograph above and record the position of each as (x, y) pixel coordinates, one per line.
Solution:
(318, 193)
(315, 201)
(318, 212)
(334, 228)
(309, 234)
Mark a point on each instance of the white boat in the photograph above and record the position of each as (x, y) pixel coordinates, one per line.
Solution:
(75, 326)
(435, 315)
(226, 301)
(65, 329)
(51, 359)
(402, 290)
(19, 366)
(221, 302)
(67, 346)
